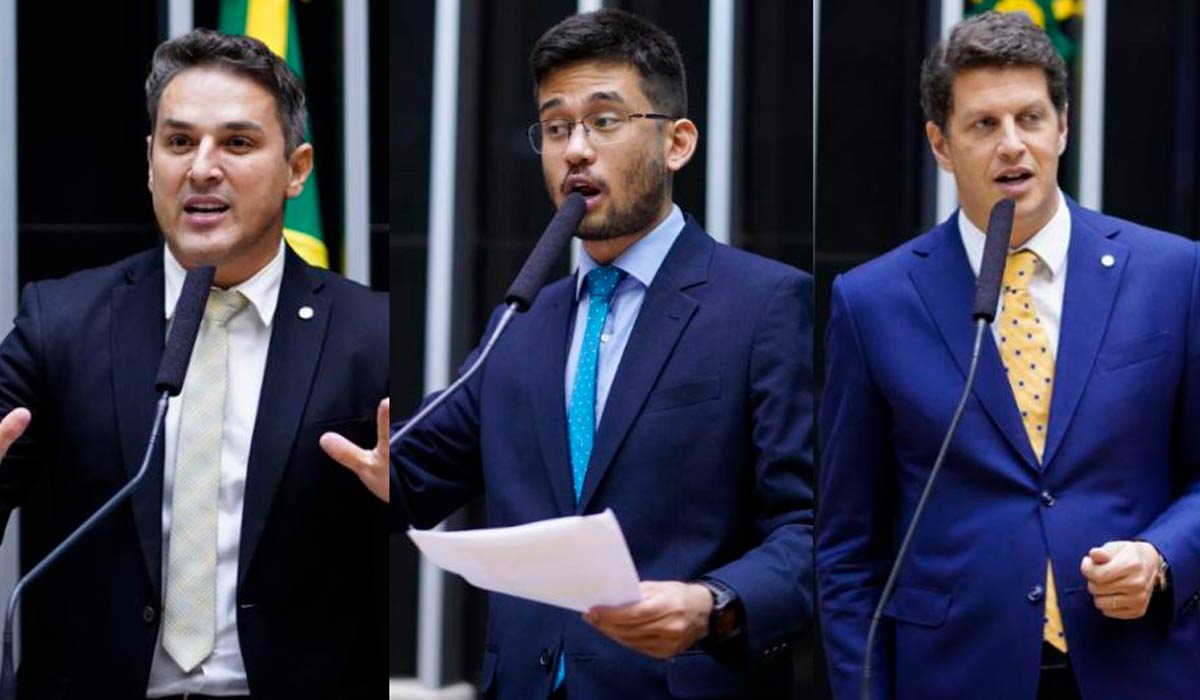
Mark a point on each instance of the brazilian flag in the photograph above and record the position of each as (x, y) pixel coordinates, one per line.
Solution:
(1053, 16)
(273, 23)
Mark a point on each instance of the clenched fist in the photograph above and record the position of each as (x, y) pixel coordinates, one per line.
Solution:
(1121, 577)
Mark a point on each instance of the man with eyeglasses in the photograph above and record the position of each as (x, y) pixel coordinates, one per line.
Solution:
(669, 379)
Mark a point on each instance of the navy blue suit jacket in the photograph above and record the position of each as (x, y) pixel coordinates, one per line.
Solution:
(1121, 462)
(311, 579)
(703, 452)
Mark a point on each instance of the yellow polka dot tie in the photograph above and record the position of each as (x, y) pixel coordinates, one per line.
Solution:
(1029, 364)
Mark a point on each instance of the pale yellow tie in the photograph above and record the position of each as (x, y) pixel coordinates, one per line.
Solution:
(1029, 364)
(189, 609)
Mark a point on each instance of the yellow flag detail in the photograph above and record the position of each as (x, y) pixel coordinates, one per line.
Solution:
(267, 21)
(311, 249)
(1029, 7)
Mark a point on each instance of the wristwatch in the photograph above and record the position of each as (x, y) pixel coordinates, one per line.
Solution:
(725, 620)
(1162, 579)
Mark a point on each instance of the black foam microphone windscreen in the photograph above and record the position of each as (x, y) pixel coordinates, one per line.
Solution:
(185, 324)
(995, 253)
(549, 247)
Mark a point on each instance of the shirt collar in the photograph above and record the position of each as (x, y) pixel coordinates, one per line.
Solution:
(643, 259)
(262, 290)
(1050, 243)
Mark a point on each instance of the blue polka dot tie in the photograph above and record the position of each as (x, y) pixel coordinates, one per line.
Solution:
(581, 416)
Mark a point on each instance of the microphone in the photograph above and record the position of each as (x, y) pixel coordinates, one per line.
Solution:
(995, 254)
(987, 296)
(185, 324)
(549, 247)
(520, 295)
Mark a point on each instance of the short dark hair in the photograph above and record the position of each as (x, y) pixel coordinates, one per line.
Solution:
(242, 55)
(989, 40)
(612, 35)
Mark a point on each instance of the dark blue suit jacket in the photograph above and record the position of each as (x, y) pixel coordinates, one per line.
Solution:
(311, 580)
(1121, 462)
(703, 452)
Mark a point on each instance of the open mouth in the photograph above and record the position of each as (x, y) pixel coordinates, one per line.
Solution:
(1014, 178)
(584, 189)
(590, 190)
(206, 209)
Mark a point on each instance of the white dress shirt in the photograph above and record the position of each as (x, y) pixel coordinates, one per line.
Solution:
(1049, 280)
(223, 672)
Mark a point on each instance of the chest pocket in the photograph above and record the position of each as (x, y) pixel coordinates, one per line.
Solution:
(1126, 353)
(684, 394)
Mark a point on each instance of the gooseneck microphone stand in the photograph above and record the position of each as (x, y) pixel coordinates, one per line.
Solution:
(519, 298)
(987, 298)
(865, 693)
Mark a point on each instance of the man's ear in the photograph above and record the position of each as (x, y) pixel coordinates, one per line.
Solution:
(940, 146)
(1062, 128)
(300, 165)
(683, 136)
(149, 169)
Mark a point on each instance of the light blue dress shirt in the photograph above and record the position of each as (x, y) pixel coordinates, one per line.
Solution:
(640, 263)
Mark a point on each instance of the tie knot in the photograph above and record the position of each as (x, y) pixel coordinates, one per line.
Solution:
(603, 281)
(222, 305)
(1018, 272)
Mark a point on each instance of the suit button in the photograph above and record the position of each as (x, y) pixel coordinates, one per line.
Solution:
(1035, 594)
(1047, 499)
(148, 614)
(545, 658)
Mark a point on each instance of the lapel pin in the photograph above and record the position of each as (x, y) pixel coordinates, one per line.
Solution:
(1107, 260)
(305, 312)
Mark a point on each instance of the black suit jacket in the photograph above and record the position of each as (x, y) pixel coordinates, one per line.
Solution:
(311, 592)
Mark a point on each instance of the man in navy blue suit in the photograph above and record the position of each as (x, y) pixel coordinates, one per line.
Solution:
(250, 564)
(1059, 556)
(669, 380)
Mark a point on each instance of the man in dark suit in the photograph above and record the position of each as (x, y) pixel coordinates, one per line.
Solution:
(669, 380)
(250, 564)
(1059, 555)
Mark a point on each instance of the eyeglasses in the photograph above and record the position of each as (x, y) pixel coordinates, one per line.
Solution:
(600, 129)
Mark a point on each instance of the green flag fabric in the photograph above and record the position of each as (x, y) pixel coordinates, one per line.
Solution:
(273, 23)
(1050, 15)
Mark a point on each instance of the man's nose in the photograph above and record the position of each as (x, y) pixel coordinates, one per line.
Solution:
(1010, 138)
(206, 166)
(578, 148)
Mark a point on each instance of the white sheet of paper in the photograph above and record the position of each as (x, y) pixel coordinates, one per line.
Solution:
(575, 562)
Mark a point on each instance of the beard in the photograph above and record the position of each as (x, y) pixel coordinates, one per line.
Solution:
(648, 182)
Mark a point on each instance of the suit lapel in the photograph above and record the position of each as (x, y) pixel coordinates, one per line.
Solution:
(292, 360)
(138, 335)
(946, 284)
(1091, 290)
(665, 313)
(549, 394)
